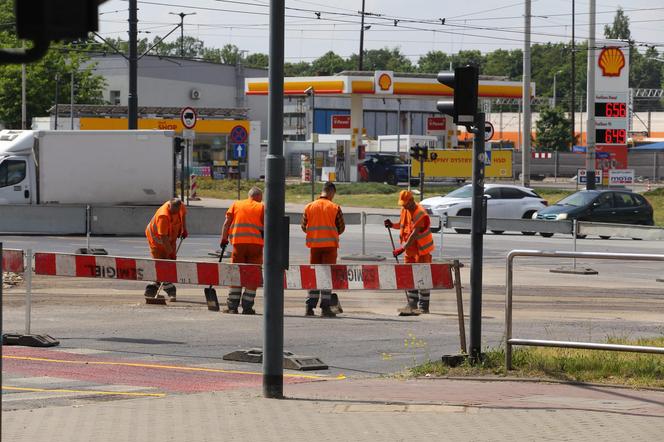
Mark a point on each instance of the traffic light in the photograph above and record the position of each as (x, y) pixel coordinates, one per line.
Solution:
(418, 152)
(464, 81)
(56, 19)
(178, 144)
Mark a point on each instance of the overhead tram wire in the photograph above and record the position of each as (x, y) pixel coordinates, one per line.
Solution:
(385, 18)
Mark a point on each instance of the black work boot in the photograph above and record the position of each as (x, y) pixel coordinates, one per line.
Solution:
(232, 309)
(409, 310)
(326, 312)
(151, 290)
(309, 312)
(171, 292)
(248, 309)
(335, 305)
(424, 308)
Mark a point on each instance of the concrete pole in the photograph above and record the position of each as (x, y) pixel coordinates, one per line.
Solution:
(525, 149)
(399, 126)
(590, 99)
(57, 98)
(275, 200)
(132, 99)
(24, 108)
(71, 102)
(361, 54)
(573, 86)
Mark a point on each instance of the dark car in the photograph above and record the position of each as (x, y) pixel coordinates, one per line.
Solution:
(382, 167)
(603, 206)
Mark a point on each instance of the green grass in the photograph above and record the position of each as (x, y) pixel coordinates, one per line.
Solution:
(656, 198)
(605, 367)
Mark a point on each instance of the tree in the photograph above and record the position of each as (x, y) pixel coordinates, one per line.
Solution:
(60, 60)
(192, 47)
(504, 63)
(466, 58)
(619, 30)
(300, 69)
(433, 62)
(382, 60)
(329, 64)
(257, 60)
(552, 130)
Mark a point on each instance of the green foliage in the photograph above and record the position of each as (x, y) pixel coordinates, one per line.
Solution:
(619, 30)
(552, 130)
(257, 60)
(433, 62)
(329, 64)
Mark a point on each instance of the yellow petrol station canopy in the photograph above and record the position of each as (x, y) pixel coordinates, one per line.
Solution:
(383, 84)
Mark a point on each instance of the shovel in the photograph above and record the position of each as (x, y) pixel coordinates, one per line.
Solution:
(211, 293)
(389, 230)
(156, 299)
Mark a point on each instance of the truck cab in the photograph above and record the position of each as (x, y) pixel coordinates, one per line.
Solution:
(17, 167)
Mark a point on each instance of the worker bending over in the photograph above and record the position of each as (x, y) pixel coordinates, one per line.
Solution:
(417, 241)
(167, 224)
(323, 222)
(244, 227)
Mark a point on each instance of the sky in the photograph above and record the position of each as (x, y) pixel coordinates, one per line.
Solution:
(484, 25)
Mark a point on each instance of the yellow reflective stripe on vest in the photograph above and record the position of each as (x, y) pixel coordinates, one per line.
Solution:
(247, 225)
(417, 216)
(240, 234)
(331, 239)
(425, 246)
(311, 229)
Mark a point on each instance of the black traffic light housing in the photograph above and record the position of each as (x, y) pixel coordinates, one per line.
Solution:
(418, 152)
(464, 81)
(178, 144)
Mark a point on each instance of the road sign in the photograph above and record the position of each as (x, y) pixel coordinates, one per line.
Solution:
(188, 117)
(188, 134)
(239, 151)
(621, 177)
(238, 135)
(581, 176)
(488, 131)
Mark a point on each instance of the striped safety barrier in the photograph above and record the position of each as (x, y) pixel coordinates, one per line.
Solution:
(339, 277)
(12, 261)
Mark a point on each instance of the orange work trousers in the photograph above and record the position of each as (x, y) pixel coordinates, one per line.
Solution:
(323, 255)
(421, 259)
(247, 254)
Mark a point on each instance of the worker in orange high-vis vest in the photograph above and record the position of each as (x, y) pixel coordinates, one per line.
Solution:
(167, 225)
(417, 242)
(323, 222)
(244, 228)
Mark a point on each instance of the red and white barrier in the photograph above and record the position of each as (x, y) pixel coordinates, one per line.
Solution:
(542, 155)
(12, 261)
(339, 277)
(193, 192)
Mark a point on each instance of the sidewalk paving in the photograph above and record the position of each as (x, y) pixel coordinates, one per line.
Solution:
(358, 410)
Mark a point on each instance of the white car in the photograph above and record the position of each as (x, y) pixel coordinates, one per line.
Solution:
(503, 201)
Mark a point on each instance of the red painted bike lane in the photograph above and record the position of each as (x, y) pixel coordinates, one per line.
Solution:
(106, 370)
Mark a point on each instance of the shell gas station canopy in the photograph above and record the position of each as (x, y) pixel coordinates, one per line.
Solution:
(358, 85)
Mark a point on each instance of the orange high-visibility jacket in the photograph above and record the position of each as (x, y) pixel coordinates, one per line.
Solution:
(247, 227)
(321, 223)
(165, 223)
(409, 222)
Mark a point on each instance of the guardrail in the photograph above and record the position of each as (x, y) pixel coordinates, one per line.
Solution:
(510, 341)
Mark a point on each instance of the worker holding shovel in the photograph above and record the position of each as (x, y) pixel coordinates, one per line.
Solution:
(244, 228)
(417, 242)
(166, 226)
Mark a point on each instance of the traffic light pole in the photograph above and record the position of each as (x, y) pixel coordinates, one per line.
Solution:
(476, 240)
(422, 159)
(276, 243)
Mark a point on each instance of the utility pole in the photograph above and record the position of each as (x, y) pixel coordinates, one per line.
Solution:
(57, 98)
(359, 67)
(276, 235)
(182, 15)
(24, 109)
(312, 164)
(132, 100)
(525, 145)
(71, 101)
(590, 100)
(478, 224)
(573, 98)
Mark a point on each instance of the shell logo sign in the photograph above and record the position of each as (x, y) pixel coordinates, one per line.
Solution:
(383, 82)
(611, 61)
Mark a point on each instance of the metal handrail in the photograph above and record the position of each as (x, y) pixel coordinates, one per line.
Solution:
(509, 341)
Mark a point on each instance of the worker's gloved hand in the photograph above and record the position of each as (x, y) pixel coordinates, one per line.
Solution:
(184, 234)
(398, 251)
(223, 243)
(388, 223)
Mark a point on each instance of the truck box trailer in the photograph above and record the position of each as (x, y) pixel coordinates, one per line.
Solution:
(86, 167)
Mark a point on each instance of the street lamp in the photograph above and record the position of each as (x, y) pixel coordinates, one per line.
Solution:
(312, 93)
(182, 15)
(554, 86)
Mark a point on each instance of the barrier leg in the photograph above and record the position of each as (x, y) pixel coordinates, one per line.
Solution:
(363, 221)
(28, 290)
(462, 326)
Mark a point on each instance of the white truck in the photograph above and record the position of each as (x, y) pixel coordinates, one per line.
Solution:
(86, 167)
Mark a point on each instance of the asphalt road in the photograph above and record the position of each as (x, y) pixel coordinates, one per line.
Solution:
(108, 318)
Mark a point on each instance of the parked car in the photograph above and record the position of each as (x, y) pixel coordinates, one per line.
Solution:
(604, 206)
(381, 167)
(503, 201)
